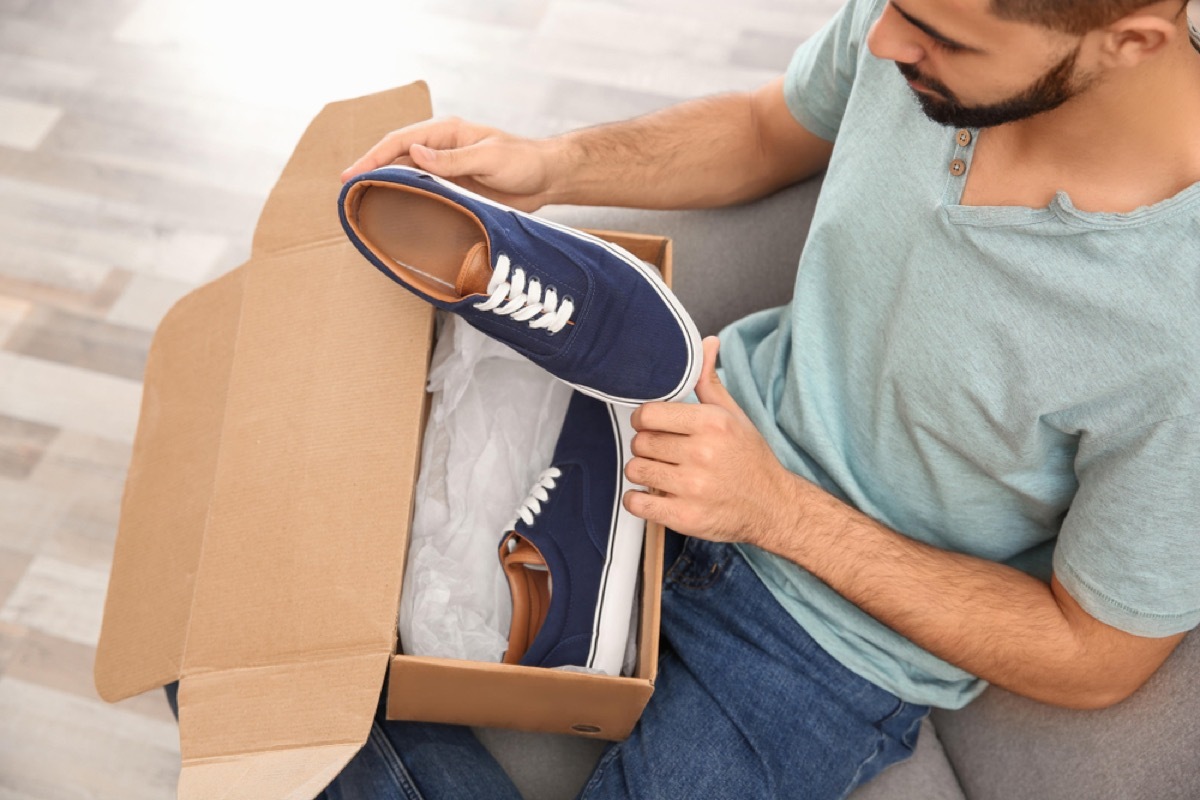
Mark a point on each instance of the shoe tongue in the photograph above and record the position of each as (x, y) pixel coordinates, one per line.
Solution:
(476, 272)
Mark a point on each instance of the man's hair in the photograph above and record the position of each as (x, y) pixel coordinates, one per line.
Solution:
(1072, 16)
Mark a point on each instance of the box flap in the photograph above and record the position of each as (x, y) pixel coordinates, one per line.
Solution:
(168, 489)
(310, 740)
(268, 499)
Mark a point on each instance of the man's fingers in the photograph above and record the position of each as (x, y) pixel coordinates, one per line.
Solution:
(437, 134)
(386, 151)
(471, 160)
(709, 389)
(665, 447)
(657, 476)
(653, 508)
(668, 417)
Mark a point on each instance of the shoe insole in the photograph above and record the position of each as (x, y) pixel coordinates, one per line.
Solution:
(433, 244)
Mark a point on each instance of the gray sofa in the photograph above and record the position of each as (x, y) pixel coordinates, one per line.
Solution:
(1001, 747)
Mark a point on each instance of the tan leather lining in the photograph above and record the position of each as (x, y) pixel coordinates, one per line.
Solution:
(529, 584)
(428, 241)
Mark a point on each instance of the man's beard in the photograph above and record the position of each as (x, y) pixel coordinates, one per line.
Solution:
(1055, 87)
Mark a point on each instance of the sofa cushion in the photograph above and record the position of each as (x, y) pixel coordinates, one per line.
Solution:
(1004, 746)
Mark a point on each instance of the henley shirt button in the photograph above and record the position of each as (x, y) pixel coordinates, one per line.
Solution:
(964, 137)
(958, 167)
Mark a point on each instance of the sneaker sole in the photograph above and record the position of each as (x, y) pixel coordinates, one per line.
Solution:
(618, 581)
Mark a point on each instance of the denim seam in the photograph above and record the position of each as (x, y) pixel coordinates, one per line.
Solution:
(599, 770)
(909, 737)
(854, 781)
(395, 765)
(900, 708)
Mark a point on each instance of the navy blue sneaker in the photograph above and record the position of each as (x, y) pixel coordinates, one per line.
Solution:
(573, 552)
(589, 312)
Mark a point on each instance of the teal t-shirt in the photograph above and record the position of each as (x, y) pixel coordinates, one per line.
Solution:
(1018, 384)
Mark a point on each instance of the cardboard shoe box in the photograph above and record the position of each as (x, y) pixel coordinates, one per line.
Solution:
(267, 507)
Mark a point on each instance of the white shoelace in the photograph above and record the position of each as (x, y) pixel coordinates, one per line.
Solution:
(525, 300)
(540, 493)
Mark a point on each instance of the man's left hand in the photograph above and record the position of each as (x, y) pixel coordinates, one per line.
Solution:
(707, 470)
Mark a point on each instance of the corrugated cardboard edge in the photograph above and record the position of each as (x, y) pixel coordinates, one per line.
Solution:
(168, 508)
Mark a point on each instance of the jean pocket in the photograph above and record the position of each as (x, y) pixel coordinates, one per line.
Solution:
(700, 564)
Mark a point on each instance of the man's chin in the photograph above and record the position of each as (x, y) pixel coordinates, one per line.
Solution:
(941, 112)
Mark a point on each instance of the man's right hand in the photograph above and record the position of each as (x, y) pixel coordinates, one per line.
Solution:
(509, 169)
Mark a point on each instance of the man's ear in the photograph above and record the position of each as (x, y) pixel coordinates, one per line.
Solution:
(1139, 36)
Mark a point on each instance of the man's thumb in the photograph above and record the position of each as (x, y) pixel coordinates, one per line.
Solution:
(446, 163)
(709, 388)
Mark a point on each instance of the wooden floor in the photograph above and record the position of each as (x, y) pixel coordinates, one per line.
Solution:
(138, 140)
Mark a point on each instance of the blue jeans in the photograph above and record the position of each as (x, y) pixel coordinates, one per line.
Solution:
(745, 705)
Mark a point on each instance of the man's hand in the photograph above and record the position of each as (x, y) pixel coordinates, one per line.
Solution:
(509, 169)
(709, 471)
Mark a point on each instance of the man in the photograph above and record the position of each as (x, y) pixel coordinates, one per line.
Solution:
(965, 453)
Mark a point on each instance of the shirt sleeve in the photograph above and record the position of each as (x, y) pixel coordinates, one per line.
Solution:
(821, 74)
(1129, 547)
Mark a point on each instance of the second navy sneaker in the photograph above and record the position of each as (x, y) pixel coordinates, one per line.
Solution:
(572, 554)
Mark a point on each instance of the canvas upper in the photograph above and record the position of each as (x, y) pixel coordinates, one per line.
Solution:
(575, 530)
(627, 340)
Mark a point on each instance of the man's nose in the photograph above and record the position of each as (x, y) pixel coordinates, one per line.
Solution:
(892, 39)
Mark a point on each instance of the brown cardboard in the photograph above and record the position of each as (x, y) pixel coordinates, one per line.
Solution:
(265, 518)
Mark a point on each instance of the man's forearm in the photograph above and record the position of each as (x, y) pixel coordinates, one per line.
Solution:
(991, 620)
(703, 153)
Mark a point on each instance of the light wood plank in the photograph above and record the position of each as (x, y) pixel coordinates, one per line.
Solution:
(58, 598)
(57, 746)
(26, 123)
(69, 397)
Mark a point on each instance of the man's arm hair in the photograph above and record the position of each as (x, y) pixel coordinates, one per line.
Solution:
(991, 620)
(714, 151)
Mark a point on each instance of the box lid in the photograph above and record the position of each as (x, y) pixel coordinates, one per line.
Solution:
(275, 453)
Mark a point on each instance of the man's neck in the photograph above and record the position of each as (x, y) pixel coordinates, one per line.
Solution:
(1131, 140)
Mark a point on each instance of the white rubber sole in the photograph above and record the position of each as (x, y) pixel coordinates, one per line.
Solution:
(619, 580)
